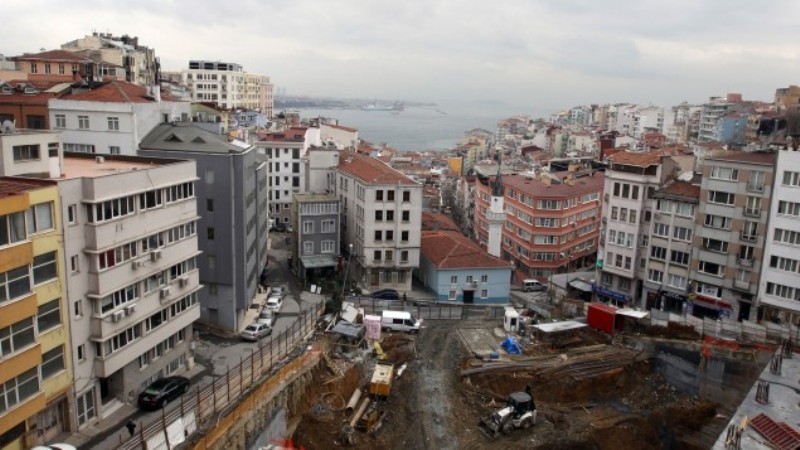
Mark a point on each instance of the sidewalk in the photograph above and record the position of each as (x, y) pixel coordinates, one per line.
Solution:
(106, 433)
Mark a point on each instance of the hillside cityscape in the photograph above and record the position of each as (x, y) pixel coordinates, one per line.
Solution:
(190, 257)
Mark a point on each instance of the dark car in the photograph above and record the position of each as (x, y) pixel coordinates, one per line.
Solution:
(161, 391)
(279, 227)
(386, 294)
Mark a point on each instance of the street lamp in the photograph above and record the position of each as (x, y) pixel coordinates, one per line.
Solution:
(347, 269)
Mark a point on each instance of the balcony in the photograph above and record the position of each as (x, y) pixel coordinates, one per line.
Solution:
(746, 262)
(751, 212)
(495, 217)
(755, 187)
(748, 237)
(739, 284)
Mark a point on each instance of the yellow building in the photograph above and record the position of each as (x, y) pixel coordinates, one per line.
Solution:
(454, 162)
(34, 335)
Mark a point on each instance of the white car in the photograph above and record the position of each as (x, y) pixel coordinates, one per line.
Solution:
(55, 447)
(274, 303)
(255, 331)
(266, 316)
(277, 291)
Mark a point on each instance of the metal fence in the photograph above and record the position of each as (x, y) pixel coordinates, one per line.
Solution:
(430, 310)
(744, 331)
(197, 407)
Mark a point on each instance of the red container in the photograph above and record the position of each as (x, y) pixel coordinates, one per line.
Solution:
(602, 317)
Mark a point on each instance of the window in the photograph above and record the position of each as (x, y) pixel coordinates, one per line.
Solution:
(390, 216)
(721, 222)
(378, 196)
(715, 245)
(327, 246)
(752, 206)
(660, 229)
(78, 148)
(387, 276)
(388, 255)
(724, 173)
(791, 178)
(81, 352)
(779, 290)
(712, 268)
(624, 284)
(47, 69)
(390, 195)
(628, 263)
(40, 218)
(52, 362)
(406, 196)
(685, 209)
(33, 67)
(657, 252)
(376, 255)
(113, 124)
(484, 278)
(404, 236)
(749, 230)
(114, 150)
(401, 276)
(484, 293)
(210, 233)
(389, 235)
(26, 152)
(623, 214)
(72, 214)
(86, 407)
(329, 226)
(785, 264)
(308, 227)
(83, 122)
(789, 208)
(61, 69)
(721, 198)
(378, 235)
(655, 276)
(451, 295)
(404, 256)
(19, 389)
(680, 258)
(210, 204)
(61, 121)
(111, 209)
(676, 281)
(614, 213)
(747, 252)
(16, 337)
(406, 216)
(379, 215)
(632, 216)
(44, 268)
(12, 228)
(682, 234)
(15, 283)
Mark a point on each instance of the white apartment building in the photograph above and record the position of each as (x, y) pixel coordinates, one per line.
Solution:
(630, 182)
(381, 219)
(286, 160)
(138, 61)
(338, 136)
(229, 86)
(130, 250)
(112, 117)
(779, 289)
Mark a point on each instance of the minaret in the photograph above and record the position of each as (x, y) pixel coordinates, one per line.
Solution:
(496, 216)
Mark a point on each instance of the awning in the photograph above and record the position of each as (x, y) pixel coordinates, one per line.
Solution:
(559, 326)
(632, 313)
(318, 261)
(581, 285)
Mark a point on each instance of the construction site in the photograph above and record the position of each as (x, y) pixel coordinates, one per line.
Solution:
(454, 386)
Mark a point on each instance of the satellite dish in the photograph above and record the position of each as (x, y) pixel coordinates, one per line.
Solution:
(8, 127)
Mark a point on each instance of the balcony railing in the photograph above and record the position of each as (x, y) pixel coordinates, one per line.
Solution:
(752, 212)
(748, 237)
(739, 284)
(746, 262)
(755, 187)
(495, 216)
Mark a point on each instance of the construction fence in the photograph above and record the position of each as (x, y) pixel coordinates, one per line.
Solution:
(430, 311)
(199, 407)
(728, 329)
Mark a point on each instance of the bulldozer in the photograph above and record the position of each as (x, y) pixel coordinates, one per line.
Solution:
(519, 412)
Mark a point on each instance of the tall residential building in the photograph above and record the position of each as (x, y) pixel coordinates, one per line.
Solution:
(286, 155)
(787, 99)
(381, 218)
(779, 288)
(35, 370)
(119, 56)
(730, 233)
(111, 117)
(551, 220)
(628, 204)
(229, 86)
(232, 197)
(668, 254)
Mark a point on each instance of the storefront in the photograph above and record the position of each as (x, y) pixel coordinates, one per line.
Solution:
(667, 301)
(713, 308)
(613, 297)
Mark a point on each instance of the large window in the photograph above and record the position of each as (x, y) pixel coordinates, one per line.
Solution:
(677, 281)
(308, 227)
(680, 258)
(327, 246)
(789, 208)
(791, 178)
(787, 292)
(118, 298)
(40, 217)
(328, 226)
(308, 248)
(15, 283)
(113, 123)
(657, 252)
(19, 389)
(721, 222)
(12, 228)
(16, 337)
(656, 276)
(111, 209)
(719, 197)
(682, 234)
(52, 362)
(715, 245)
(724, 173)
(712, 268)
(83, 122)
(119, 341)
(26, 152)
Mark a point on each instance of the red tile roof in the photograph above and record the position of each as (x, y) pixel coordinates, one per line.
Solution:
(533, 187)
(453, 250)
(352, 130)
(372, 171)
(683, 188)
(292, 134)
(116, 92)
(645, 159)
(14, 186)
(54, 55)
(763, 158)
(438, 222)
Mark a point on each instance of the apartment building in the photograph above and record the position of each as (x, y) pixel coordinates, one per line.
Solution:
(779, 287)
(25, 103)
(315, 235)
(119, 56)
(381, 218)
(228, 86)
(286, 158)
(111, 118)
(35, 370)
(232, 194)
(56, 66)
(552, 220)
(668, 254)
(730, 234)
(630, 183)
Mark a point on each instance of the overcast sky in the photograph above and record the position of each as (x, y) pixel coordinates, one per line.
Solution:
(537, 54)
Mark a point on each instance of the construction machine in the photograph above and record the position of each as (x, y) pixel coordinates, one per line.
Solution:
(519, 412)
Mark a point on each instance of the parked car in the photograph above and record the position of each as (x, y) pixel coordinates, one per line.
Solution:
(277, 291)
(532, 285)
(266, 316)
(274, 303)
(386, 294)
(161, 391)
(255, 331)
(55, 447)
(279, 227)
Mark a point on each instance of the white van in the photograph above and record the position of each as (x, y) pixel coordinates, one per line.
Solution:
(399, 321)
(532, 285)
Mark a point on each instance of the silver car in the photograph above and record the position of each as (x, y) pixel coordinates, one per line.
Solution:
(255, 331)
(266, 316)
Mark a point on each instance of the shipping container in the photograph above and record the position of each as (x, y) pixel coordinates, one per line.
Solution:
(602, 317)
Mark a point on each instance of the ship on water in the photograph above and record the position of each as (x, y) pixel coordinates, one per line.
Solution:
(395, 107)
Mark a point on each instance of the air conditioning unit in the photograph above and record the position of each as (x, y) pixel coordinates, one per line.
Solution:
(116, 316)
(165, 292)
(183, 281)
(130, 309)
(155, 254)
(137, 264)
